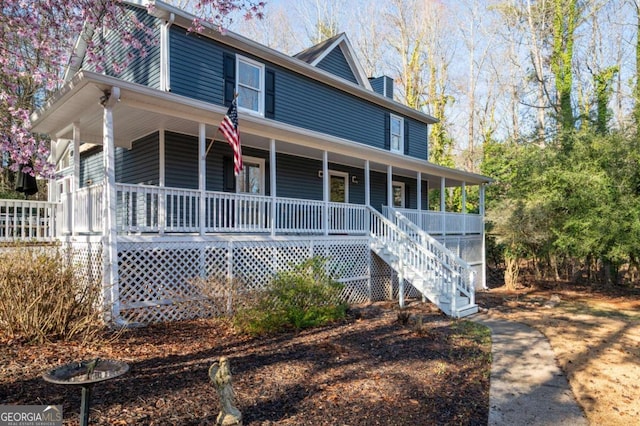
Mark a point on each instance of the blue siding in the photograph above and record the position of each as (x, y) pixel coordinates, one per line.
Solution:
(197, 72)
(377, 84)
(378, 186)
(382, 85)
(418, 140)
(195, 66)
(297, 177)
(337, 64)
(141, 70)
(141, 163)
(307, 103)
(91, 167)
(181, 161)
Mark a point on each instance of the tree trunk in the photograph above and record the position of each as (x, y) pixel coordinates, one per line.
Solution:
(511, 273)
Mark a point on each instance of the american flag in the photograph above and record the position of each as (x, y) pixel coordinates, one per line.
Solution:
(229, 128)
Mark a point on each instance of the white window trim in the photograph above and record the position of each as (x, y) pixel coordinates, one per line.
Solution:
(344, 175)
(400, 149)
(261, 165)
(403, 202)
(259, 65)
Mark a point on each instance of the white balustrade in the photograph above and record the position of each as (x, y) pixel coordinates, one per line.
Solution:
(347, 218)
(229, 212)
(27, 220)
(299, 216)
(439, 223)
(154, 209)
(87, 210)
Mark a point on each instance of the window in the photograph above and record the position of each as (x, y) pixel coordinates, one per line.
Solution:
(250, 85)
(398, 194)
(397, 134)
(251, 178)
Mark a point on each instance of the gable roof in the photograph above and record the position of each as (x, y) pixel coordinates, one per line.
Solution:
(315, 54)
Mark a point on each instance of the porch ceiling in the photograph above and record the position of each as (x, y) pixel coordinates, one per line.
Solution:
(143, 110)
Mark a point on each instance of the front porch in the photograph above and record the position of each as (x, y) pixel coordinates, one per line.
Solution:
(147, 209)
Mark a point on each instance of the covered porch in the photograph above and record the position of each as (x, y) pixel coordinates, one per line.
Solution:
(296, 181)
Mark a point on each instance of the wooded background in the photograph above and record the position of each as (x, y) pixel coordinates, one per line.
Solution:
(541, 95)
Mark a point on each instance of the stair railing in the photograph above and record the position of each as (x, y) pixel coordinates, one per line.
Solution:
(415, 257)
(465, 275)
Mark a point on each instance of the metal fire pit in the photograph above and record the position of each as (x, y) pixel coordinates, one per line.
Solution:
(86, 374)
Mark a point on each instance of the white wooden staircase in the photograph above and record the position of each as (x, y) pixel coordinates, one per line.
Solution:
(435, 271)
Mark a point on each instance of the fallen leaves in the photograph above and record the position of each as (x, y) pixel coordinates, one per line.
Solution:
(367, 370)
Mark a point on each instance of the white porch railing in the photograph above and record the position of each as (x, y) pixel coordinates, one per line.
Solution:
(87, 210)
(154, 209)
(442, 223)
(146, 208)
(27, 220)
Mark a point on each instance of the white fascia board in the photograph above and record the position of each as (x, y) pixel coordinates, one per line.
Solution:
(343, 44)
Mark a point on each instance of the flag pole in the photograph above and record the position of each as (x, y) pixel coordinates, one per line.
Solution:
(235, 96)
(211, 143)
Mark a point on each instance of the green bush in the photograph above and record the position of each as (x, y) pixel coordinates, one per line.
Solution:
(43, 298)
(305, 296)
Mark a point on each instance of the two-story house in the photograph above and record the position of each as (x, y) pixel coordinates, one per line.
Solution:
(333, 166)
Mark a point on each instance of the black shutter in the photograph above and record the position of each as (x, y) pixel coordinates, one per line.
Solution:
(406, 137)
(387, 131)
(228, 178)
(229, 65)
(270, 94)
(407, 193)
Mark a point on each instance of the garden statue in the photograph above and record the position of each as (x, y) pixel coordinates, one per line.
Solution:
(220, 375)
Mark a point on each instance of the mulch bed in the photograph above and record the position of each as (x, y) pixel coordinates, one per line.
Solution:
(375, 368)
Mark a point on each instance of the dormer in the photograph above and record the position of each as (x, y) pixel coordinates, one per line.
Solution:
(336, 55)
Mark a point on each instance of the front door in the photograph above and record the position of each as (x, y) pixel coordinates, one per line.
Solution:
(338, 187)
(338, 193)
(251, 211)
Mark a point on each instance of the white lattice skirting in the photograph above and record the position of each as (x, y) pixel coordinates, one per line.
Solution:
(174, 278)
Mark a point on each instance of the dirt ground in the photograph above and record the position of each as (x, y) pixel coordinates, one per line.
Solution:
(375, 368)
(595, 337)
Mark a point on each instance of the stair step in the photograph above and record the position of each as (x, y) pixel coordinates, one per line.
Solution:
(467, 310)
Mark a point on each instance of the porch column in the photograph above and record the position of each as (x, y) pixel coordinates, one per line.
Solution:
(464, 208)
(202, 175)
(162, 199)
(443, 206)
(272, 184)
(390, 187)
(426, 207)
(367, 184)
(76, 177)
(325, 191)
(110, 286)
(419, 193)
(484, 248)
